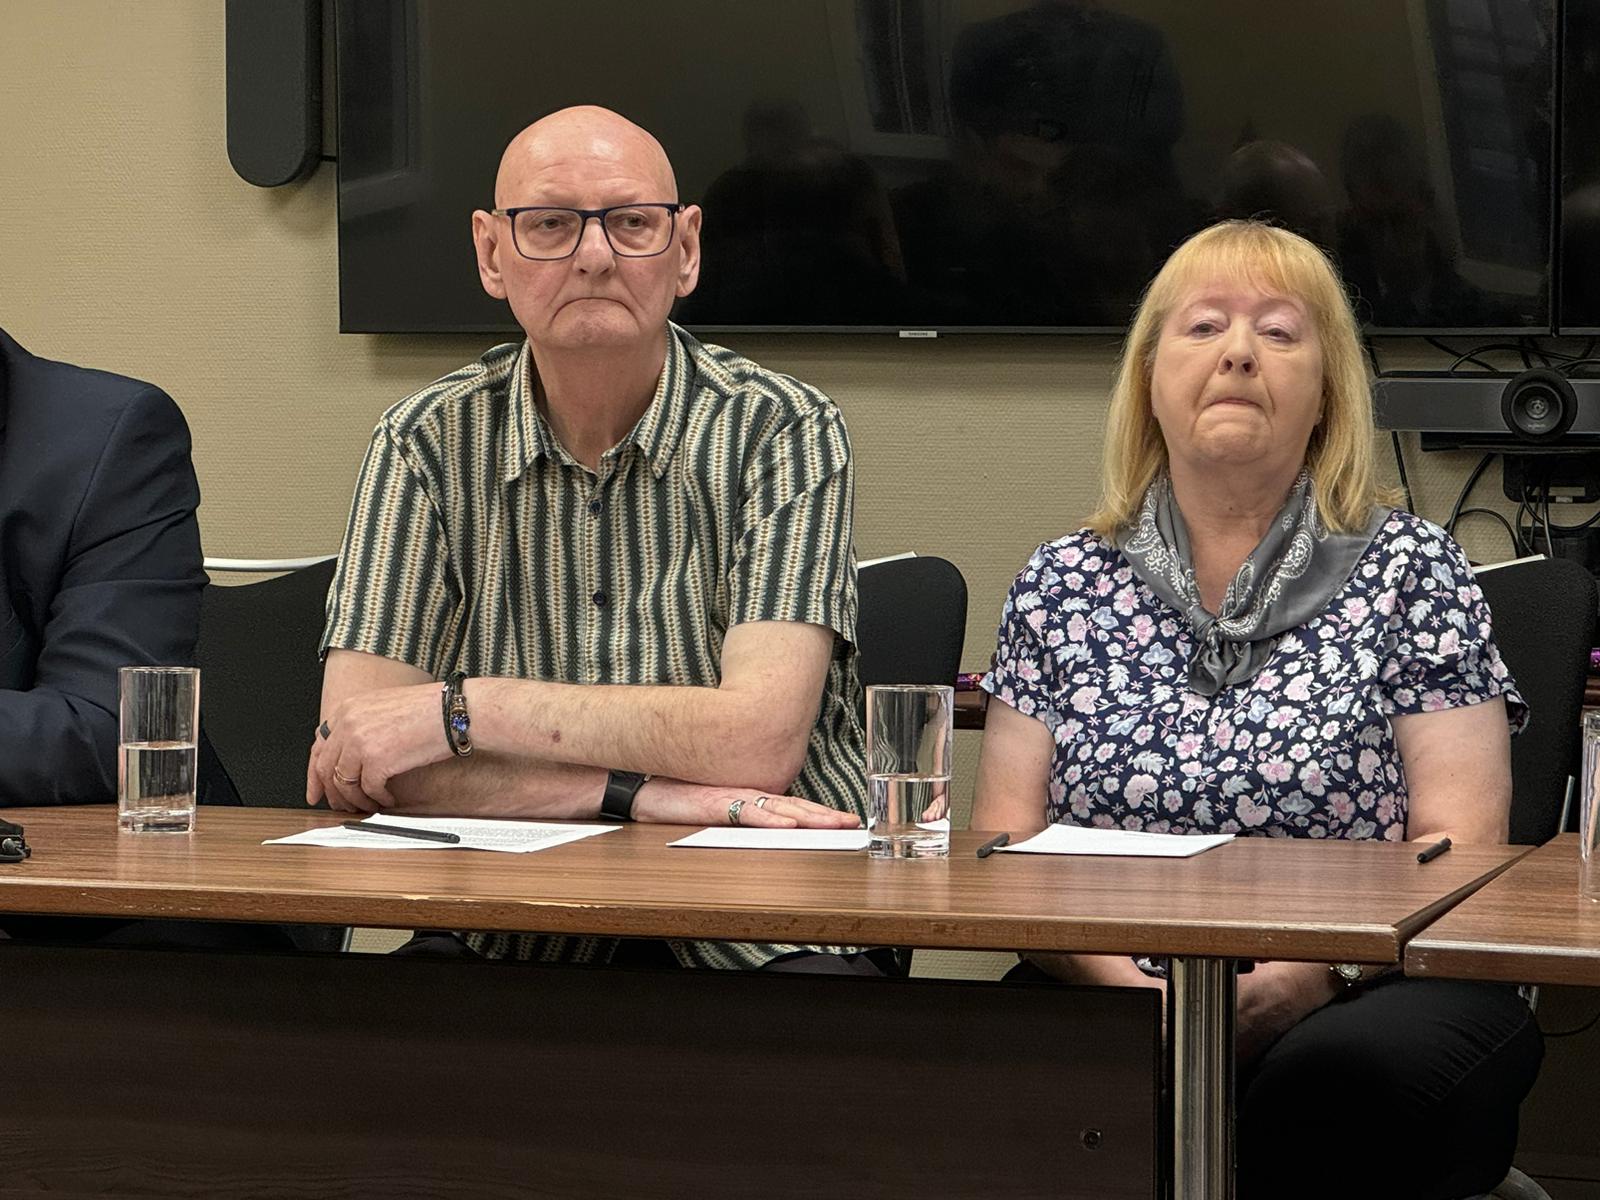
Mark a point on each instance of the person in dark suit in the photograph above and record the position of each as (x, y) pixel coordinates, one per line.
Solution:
(100, 566)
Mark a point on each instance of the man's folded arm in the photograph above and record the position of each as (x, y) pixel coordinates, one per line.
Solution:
(546, 747)
(129, 593)
(750, 731)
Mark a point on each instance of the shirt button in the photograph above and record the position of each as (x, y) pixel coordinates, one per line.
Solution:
(594, 508)
(601, 599)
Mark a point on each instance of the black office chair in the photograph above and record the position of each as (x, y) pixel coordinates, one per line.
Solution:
(261, 686)
(1544, 615)
(261, 681)
(913, 621)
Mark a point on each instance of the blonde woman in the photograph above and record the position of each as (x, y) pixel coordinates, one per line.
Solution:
(1248, 638)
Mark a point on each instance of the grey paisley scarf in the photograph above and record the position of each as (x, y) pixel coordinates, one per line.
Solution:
(1286, 580)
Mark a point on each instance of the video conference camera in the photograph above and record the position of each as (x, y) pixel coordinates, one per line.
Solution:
(1534, 411)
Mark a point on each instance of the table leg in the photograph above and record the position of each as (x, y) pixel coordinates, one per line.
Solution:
(1200, 1029)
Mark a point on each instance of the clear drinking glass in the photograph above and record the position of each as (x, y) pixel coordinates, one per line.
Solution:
(908, 769)
(1589, 810)
(158, 733)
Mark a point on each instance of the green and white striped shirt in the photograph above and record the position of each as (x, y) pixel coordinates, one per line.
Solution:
(477, 543)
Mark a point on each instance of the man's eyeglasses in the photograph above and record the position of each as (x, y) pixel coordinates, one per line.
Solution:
(633, 230)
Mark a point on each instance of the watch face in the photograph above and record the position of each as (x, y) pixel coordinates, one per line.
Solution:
(1349, 972)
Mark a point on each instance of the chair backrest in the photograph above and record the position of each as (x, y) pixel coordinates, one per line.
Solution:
(912, 622)
(1544, 615)
(261, 682)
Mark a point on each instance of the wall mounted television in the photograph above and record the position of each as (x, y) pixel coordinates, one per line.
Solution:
(999, 165)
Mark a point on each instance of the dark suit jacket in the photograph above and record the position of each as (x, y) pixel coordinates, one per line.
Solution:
(100, 566)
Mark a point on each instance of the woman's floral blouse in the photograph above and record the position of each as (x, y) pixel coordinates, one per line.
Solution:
(1304, 749)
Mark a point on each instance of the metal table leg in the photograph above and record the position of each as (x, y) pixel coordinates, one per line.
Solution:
(1200, 1029)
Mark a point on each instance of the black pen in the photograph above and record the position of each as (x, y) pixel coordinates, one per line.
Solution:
(1433, 851)
(993, 844)
(422, 835)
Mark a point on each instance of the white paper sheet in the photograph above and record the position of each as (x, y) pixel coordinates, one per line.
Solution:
(476, 833)
(729, 838)
(1078, 839)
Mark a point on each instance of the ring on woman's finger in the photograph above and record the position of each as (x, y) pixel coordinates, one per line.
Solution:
(733, 812)
(324, 731)
(761, 801)
(343, 780)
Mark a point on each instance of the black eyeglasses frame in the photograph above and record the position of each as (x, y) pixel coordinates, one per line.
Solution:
(585, 215)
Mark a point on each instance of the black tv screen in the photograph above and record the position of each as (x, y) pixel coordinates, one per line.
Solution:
(1579, 233)
(969, 165)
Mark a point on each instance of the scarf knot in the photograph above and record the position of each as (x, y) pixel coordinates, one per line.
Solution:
(1285, 581)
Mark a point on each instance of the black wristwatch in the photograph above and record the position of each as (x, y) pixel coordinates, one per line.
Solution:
(621, 788)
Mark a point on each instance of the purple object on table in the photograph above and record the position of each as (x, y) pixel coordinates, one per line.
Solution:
(1594, 659)
(967, 681)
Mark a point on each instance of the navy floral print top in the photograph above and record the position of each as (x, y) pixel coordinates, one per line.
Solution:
(1302, 750)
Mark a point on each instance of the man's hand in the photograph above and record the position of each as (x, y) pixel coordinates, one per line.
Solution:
(370, 738)
(673, 802)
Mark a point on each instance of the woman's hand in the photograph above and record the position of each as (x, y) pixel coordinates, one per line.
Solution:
(1276, 997)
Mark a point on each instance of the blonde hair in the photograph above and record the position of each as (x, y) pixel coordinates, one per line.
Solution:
(1339, 454)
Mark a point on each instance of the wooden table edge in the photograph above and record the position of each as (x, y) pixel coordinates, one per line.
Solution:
(1492, 963)
(953, 928)
(1425, 917)
(1430, 955)
(1369, 942)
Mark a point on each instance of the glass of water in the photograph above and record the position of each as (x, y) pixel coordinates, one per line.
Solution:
(1589, 810)
(908, 769)
(158, 733)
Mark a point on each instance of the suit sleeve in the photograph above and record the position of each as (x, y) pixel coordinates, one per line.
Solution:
(128, 594)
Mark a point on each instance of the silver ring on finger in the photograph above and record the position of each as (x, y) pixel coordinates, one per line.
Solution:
(761, 801)
(733, 812)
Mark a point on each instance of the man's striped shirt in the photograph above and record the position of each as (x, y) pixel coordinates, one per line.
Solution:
(477, 543)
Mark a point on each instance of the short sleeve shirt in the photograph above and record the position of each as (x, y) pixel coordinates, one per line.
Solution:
(477, 543)
(1304, 749)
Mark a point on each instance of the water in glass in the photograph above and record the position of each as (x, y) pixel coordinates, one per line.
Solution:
(911, 816)
(156, 783)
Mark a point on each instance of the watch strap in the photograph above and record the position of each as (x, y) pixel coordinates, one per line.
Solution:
(621, 787)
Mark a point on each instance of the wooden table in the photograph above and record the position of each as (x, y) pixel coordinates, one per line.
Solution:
(1250, 899)
(1527, 926)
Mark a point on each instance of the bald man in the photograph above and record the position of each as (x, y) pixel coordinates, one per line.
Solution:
(606, 572)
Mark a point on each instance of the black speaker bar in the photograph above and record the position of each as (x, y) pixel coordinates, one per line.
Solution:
(274, 61)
